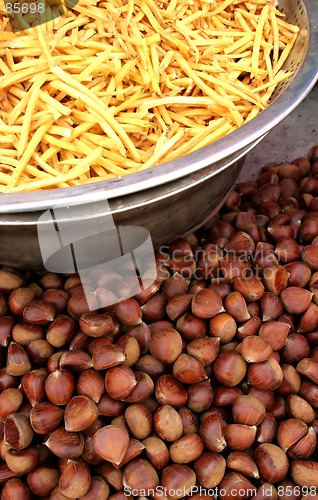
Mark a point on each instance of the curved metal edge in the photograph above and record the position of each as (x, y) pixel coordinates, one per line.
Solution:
(133, 201)
(284, 104)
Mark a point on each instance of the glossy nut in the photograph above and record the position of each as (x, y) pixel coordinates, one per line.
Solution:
(170, 391)
(309, 368)
(204, 350)
(265, 376)
(168, 423)
(304, 473)
(287, 250)
(151, 366)
(178, 480)
(156, 451)
(18, 362)
(111, 443)
(236, 306)
(6, 325)
(229, 368)
(166, 345)
(248, 410)
(186, 449)
(75, 479)
(266, 431)
(128, 312)
(10, 402)
(271, 306)
(142, 334)
(120, 382)
(206, 304)
(90, 383)
(275, 333)
(212, 433)
(175, 285)
(33, 384)
(271, 461)
(61, 331)
(80, 413)
(239, 436)
(296, 300)
(140, 475)
(17, 489)
(291, 381)
(107, 357)
(200, 396)
(76, 360)
(59, 387)
(58, 298)
(295, 349)
(178, 305)
(235, 486)
(131, 349)
(19, 298)
(135, 448)
(210, 469)
(64, 444)
(255, 349)
(240, 244)
(299, 274)
(290, 432)
(188, 370)
(310, 256)
(242, 463)
(39, 312)
(18, 432)
(275, 279)
(189, 421)
(43, 480)
(143, 389)
(223, 326)
(298, 407)
(39, 351)
(251, 326)
(45, 417)
(139, 420)
(251, 288)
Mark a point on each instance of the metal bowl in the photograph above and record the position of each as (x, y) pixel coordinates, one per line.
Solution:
(173, 198)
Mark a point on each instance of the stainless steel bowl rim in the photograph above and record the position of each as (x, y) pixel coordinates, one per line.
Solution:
(188, 164)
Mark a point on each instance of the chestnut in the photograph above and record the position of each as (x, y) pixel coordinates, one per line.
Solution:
(178, 480)
(139, 420)
(140, 475)
(170, 391)
(156, 451)
(166, 345)
(186, 449)
(272, 462)
(248, 410)
(229, 368)
(210, 469)
(168, 423)
(111, 443)
(64, 444)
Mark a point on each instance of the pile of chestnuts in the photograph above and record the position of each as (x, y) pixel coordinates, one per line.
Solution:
(203, 384)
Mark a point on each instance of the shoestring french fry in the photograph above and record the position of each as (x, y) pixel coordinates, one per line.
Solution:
(117, 86)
